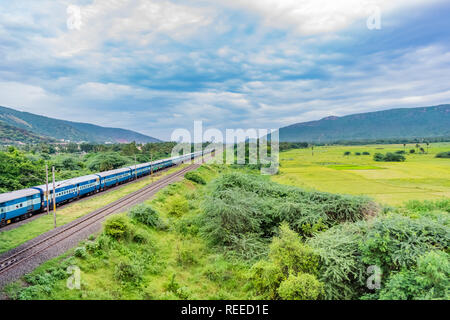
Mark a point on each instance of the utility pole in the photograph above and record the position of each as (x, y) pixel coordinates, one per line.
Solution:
(135, 168)
(54, 197)
(151, 166)
(47, 191)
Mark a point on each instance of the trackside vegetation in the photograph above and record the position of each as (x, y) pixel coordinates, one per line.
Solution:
(242, 236)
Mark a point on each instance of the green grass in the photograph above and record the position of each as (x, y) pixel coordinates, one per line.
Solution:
(15, 237)
(420, 177)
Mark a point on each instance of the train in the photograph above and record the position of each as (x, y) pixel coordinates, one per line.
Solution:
(22, 204)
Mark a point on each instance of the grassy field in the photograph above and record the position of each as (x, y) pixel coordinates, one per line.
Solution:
(15, 237)
(420, 177)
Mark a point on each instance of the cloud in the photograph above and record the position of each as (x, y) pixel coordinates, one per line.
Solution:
(153, 66)
(312, 17)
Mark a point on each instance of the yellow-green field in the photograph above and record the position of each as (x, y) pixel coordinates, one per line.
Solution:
(420, 177)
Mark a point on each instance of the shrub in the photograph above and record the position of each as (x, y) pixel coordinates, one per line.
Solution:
(341, 270)
(428, 281)
(394, 157)
(140, 237)
(288, 252)
(347, 153)
(400, 152)
(357, 153)
(195, 177)
(396, 242)
(288, 256)
(80, 252)
(177, 206)
(389, 157)
(266, 278)
(412, 151)
(378, 157)
(118, 227)
(300, 287)
(128, 272)
(365, 153)
(145, 214)
(243, 212)
(443, 155)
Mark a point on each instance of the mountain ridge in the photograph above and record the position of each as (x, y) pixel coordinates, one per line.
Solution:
(419, 122)
(69, 130)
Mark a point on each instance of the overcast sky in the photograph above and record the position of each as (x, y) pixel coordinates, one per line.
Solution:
(154, 66)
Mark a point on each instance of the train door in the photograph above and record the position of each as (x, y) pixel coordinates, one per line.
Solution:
(77, 190)
(29, 203)
(2, 214)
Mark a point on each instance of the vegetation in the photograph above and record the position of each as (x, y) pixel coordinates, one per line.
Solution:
(231, 239)
(389, 157)
(19, 171)
(420, 177)
(443, 155)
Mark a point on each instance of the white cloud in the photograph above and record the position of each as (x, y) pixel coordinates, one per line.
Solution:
(310, 17)
(136, 22)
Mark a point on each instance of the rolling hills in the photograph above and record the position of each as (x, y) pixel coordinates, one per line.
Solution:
(49, 128)
(423, 122)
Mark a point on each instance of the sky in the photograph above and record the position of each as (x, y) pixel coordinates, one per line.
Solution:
(155, 66)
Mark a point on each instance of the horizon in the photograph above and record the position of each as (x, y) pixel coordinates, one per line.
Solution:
(161, 65)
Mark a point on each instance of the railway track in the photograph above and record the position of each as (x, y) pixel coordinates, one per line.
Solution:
(64, 232)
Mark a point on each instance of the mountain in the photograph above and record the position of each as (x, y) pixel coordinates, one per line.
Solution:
(424, 122)
(13, 135)
(68, 130)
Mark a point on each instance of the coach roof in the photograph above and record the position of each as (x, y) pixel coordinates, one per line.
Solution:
(17, 194)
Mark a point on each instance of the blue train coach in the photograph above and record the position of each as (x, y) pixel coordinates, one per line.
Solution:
(64, 191)
(113, 177)
(18, 204)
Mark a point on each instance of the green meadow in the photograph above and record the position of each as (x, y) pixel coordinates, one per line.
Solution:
(420, 177)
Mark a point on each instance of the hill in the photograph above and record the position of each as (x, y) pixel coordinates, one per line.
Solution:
(68, 130)
(423, 122)
(13, 135)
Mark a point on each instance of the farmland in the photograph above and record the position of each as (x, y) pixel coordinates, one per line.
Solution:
(420, 177)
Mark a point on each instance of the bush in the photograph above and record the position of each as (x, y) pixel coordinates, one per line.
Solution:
(177, 206)
(80, 252)
(300, 287)
(389, 157)
(195, 177)
(412, 151)
(266, 278)
(428, 281)
(347, 153)
(118, 227)
(400, 152)
(396, 242)
(365, 153)
(288, 252)
(357, 153)
(443, 155)
(128, 272)
(243, 212)
(341, 269)
(145, 214)
(288, 256)
(378, 157)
